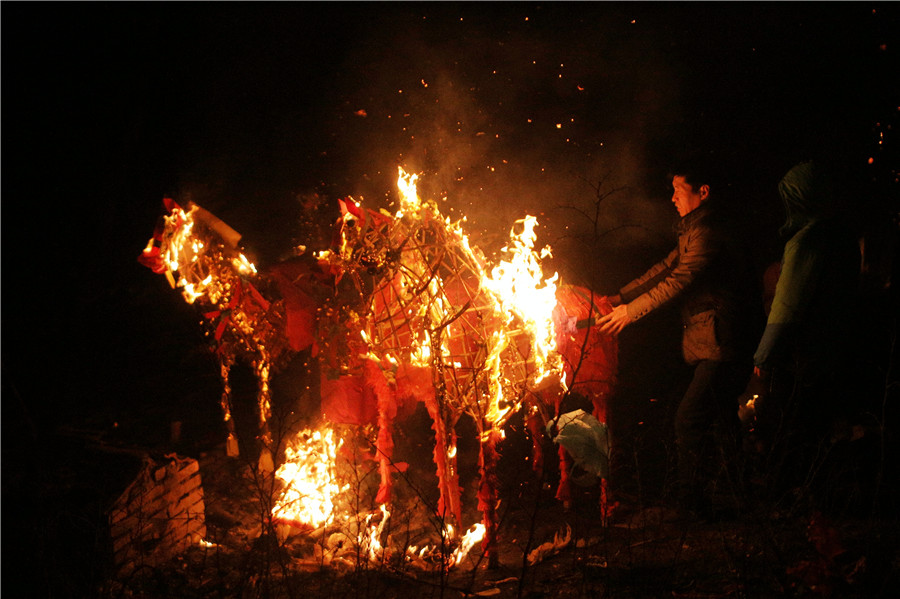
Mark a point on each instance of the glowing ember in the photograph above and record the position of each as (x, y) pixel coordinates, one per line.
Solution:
(549, 548)
(371, 544)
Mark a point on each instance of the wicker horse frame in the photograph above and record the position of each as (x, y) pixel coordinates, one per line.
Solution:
(427, 298)
(420, 324)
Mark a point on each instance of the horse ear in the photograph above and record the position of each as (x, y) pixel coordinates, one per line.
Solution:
(170, 205)
(348, 206)
(216, 224)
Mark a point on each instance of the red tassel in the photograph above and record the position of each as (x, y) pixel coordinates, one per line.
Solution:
(448, 480)
(258, 298)
(591, 357)
(564, 491)
(387, 411)
(220, 330)
(535, 428)
(413, 385)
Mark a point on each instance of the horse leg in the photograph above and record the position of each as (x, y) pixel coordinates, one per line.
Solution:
(226, 361)
(564, 490)
(445, 462)
(385, 447)
(488, 491)
(264, 407)
(599, 400)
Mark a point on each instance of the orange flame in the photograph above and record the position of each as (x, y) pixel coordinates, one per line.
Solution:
(309, 478)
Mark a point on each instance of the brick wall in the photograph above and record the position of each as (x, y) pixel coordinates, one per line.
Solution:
(160, 514)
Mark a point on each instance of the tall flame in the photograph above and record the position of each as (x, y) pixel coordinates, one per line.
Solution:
(409, 198)
(310, 482)
(523, 293)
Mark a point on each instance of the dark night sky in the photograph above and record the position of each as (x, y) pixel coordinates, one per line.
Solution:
(506, 109)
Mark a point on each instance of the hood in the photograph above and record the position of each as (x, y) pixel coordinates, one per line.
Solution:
(806, 193)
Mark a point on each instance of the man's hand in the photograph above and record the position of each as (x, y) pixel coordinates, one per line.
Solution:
(615, 321)
(753, 396)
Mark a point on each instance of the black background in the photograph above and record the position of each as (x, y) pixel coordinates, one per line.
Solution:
(243, 107)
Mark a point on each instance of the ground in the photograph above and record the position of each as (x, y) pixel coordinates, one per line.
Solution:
(647, 550)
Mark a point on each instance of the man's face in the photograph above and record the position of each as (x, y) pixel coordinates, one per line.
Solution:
(685, 198)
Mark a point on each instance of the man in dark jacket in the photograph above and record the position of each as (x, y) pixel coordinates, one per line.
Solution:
(709, 272)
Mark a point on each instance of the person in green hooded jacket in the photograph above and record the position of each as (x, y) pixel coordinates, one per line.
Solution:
(799, 381)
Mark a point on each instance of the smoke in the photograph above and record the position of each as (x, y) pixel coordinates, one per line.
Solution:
(515, 110)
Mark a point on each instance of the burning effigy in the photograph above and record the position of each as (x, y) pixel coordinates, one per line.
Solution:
(401, 310)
